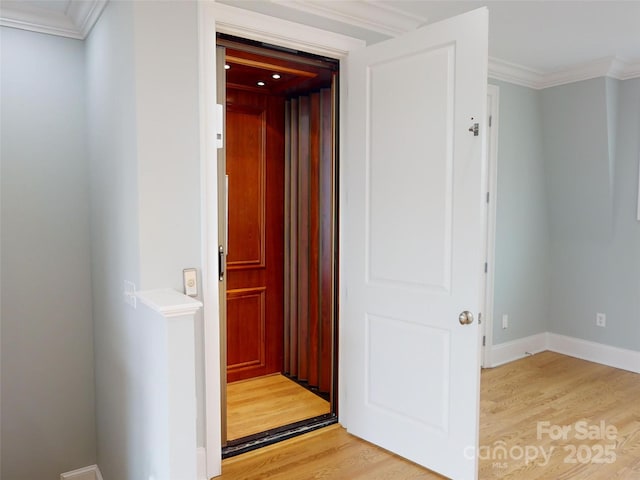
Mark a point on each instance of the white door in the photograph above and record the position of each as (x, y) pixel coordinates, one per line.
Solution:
(412, 215)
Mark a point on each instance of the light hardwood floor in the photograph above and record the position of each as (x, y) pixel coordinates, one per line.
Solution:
(547, 387)
(260, 404)
(560, 391)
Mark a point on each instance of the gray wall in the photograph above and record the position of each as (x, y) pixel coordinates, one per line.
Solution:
(521, 288)
(567, 237)
(591, 133)
(142, 80)
(114, 238)
(48, 422)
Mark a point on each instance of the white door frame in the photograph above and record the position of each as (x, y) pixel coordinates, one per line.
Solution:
(254, 26)
(493, 94)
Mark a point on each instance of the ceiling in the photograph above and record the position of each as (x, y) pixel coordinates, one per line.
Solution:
(254, 68)
(534, 43)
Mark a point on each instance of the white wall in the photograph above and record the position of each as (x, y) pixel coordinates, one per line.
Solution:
(48, 421)
(142, 77)
(168, 138)
(167, 125)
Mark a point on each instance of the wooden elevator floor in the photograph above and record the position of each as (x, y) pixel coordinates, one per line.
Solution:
(547, 387)
(259, 404)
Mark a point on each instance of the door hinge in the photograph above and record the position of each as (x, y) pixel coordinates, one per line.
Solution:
(486, 267)
(487, 197)
(490, 119)
(484, 341)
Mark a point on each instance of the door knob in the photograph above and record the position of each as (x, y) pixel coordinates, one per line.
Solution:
(465, 318)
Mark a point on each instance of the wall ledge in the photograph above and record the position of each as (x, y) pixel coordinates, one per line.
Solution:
(87, 473)
(168, 302)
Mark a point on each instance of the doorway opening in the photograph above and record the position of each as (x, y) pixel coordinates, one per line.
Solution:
(278, 240)
(486, 328)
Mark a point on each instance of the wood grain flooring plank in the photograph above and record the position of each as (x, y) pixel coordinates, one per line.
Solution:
(547, 387)
(260, 404)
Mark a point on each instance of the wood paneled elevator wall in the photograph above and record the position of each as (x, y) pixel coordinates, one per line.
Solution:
(309, 239)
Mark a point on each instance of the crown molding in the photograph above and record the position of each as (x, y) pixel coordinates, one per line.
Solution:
(612, 67)
(76, 22)
(627, 71)
(392, 21)
(514, 73)
(80, 16)
(85, 13)
(374, 16)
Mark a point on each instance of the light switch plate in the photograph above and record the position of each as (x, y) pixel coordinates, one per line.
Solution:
(190, 279)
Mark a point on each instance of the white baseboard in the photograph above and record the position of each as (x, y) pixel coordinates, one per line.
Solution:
(517, 349)
(595, 352)
(87, 473)
(574, 347)
(201, 455)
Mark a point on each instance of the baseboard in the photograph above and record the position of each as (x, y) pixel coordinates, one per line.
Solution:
(594, 352)
(87, 473)
(517, 349)
(201, 455)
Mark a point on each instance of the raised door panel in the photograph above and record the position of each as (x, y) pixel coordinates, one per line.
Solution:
(255, 263)
(246, 317)
(247, 186)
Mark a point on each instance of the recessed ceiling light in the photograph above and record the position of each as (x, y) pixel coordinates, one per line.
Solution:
(261, 84)
(275, 76)
(227, 66)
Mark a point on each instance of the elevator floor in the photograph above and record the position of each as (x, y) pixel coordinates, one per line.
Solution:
(260, 404)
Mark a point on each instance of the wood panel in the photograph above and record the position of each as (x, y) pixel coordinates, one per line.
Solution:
(311, 254)
(246, 322)
(291, 368)
(247, 185)
(314, 240)
(255, 256)
(250, 64)
(326, 236)
(303, 238)
(287, 234)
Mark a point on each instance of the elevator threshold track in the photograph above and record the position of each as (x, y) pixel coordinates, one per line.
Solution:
(265, 410)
